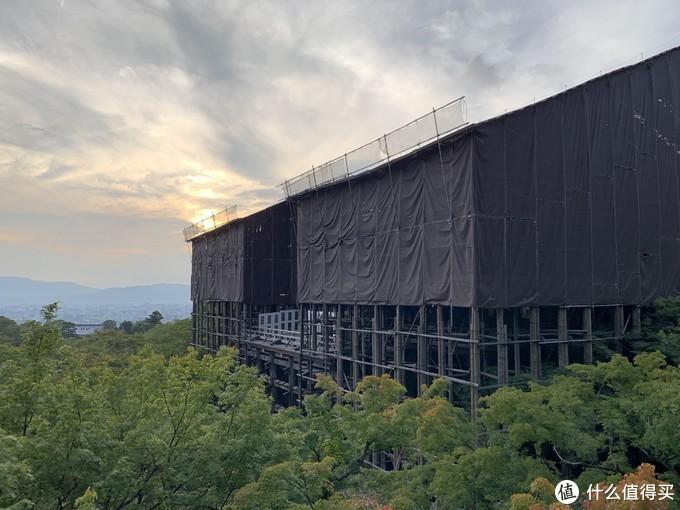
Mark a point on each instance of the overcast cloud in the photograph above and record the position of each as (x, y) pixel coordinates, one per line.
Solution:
(120, 121)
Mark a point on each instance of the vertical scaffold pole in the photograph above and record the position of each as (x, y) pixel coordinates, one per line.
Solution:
(619, 328)
(339, 370)
(441, 348)
(398, 346)
(325, 337)
(515, 339)
(421, 349)
(535, 342)
(475, 376)
(637, 322)
(376, 347)
(588, 332)
(355, 346)
(502, 347)
(562, 334)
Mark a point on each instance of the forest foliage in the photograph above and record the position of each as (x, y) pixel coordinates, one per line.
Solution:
(143, 421)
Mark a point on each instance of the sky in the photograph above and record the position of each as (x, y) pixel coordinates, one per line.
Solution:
(123, 121)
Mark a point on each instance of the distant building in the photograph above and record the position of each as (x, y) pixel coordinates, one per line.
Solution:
(86, 329)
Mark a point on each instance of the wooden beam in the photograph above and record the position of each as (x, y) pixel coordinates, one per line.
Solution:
(325, 334)
(619, 328)
(421, 349)
(475, 376)
(398, 346)
(355, 346)
(563, 336)
(637, 322)
(441, 346)
(502, 347)
(588, 328)
(339, 366)
(376, 347)
(534, 342)
(517, 353)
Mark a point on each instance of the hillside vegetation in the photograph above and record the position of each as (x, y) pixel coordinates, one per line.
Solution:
(143, 421)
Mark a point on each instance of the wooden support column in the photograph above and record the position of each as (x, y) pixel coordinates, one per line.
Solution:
(588, 328)
(291, 380)
(502, 347)
(421, 349)
(325, 334)
(376, 347)
(517, 354)
(535, 342)
(562, 334)
(273, 376)
(301, 325)
(339, 370)
(312, 325)
(637, 322)
(310, 373)
(441, 346)
(475, 376)
(619, 328)
(355, 346)
(398, 346)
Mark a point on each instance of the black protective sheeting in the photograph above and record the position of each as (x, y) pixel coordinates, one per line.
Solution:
(250, 260)
(573, 200)
(401, 234)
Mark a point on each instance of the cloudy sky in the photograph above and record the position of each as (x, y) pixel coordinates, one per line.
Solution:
(122, 121)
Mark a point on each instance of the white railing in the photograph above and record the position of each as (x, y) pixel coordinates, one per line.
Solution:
(422, 131)
(210, 223)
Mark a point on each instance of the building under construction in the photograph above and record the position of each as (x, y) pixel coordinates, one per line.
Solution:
(483, 253)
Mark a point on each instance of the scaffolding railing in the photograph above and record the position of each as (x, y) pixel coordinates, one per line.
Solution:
(422, 131)
(210, 223)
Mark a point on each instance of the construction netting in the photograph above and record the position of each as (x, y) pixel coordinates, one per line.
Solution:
(570, 201)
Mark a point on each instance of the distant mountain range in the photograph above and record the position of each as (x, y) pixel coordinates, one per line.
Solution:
(24, 291)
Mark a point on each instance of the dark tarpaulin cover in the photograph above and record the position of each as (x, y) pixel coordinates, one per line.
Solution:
(573, 200)
(250, 260)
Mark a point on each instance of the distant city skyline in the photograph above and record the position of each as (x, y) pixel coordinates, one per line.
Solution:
(122, 122)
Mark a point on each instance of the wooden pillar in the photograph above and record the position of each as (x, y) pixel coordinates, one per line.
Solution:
(619, 328)
(475, 376)
(355, 346)
(291, 380)
(301, 325)
(535, 342)
(515, 342)
(339, 370)
(310, 373)
(637, 322)
(562, 334)
(502, 347)
(441, 347)
(325, 334)
(273, 376)
(421, 349)
(588, 329)
(376, 347)
(194, 337)
(398, 346)
(312, 325)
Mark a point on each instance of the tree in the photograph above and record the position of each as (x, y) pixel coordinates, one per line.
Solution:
(154, 318)
(127, 327)
(109, 325)
(10, 332)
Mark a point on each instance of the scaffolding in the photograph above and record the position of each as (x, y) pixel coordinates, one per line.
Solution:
(212, 222)
(410, 137)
